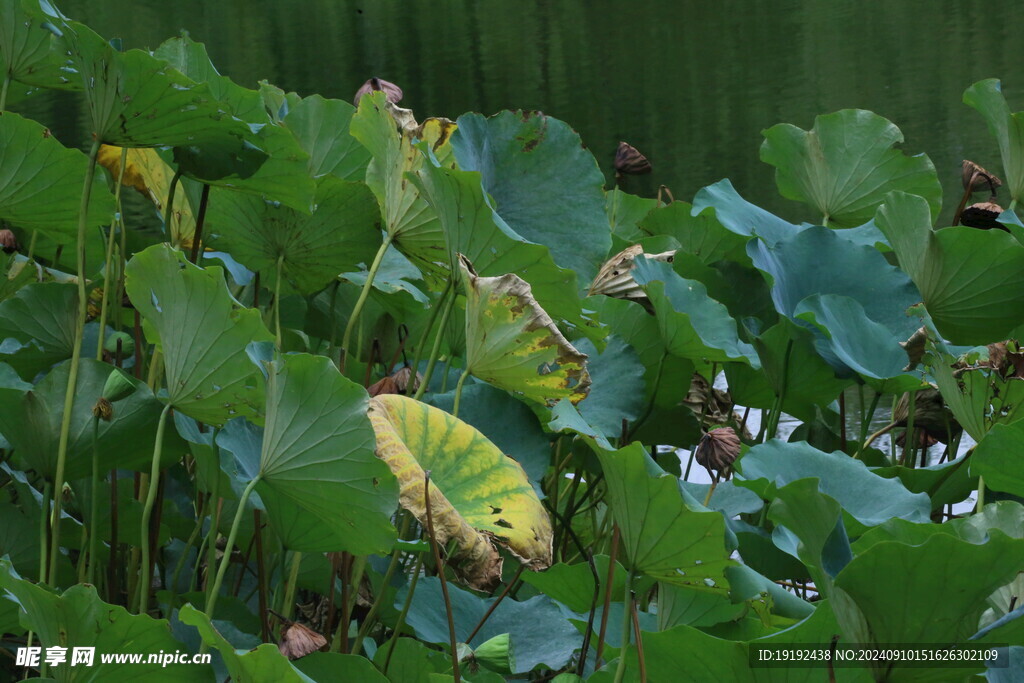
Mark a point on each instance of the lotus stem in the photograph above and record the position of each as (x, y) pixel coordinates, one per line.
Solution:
(711, 490)
(430, 324)
(865, 424)
(458, 391)
(76, 356)
(440, 575)
(448, 305)
(110, 254)
(417, 568)
(196, 530)
(364, 293)
(627, 608)
(211, 596)
(197, 236)
(981, 494)
(147, 509)
(169, 209)
(639, 642)
(494, 605)
(290, 587)
(773, 427)
(607, 595)
(94, 503)
(3, 91)
(277, 300)
(112, 564)
(378, 599)
(261, 578)
(908, 435)
(842, 421)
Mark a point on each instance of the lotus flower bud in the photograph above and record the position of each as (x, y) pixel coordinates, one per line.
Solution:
(629, 161)
(975, 178)
(103, 410)
(392, 92)
(983, 216)
(8, 242)
(117, 386)
(496, 654)
(717, 450)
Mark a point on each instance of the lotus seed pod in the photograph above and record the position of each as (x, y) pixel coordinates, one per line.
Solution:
(977, 178)
(127, 344)
(983, 216)
(8, 242)
(930, 414)
(629, 161)
(103, 410)
(404, 378)
(117, 386)
(298, 640)
(392, 92)
(718, 450)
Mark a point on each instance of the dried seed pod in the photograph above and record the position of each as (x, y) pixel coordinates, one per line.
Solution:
(983, 216)
(103, 410)
(930, 414)
(615, 279)
(629, 161)
(717, 451)
(405, 382)
(8, 242)
(975, 178)
(392, 92)
(298, 640)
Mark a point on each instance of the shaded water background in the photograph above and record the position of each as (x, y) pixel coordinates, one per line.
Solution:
(691, 84)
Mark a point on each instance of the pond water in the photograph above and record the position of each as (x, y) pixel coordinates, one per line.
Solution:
(691, 84)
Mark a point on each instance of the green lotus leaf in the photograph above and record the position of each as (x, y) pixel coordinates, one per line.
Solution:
(944, 483)
(684, 654)
(136, 100)
(944, 264)
(264, 663)
(692, 325)
(328, 666)
(268, 163)
(322, 128)
(538, 629)
(512, 343)
(999, 457)
(987, 98)
(472, 228)
(908, 612)
(845, 165)
(869, 498)
(408, 219)
(202, 335)
(625, 212)
(698, 234)
(30, 53)
(738, 215)
(37, 325)
(41, 182)
(30, 418)
(78, 618)
(573, 584)
(342, 233)
(543, 182)
(478, 495)
(323, 487)
(977, 398)
(661, 536)
(617, 388)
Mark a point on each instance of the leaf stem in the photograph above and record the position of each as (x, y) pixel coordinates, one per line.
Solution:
(627, 608)
(94, 504)
(494, 605)
(169, 209)
(3, 92)
(291, 586)
(147, 509)
(417, 568)
(76, 356)
(110, 254)
(458, 391)
(430, 324)
(448, 305)
(440, 575)
(607, 594)
(197, 235)
(378, 599)
(364, 293)
(211, 596)
(639, 642)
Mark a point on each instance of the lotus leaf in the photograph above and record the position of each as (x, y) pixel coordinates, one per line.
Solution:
(478, 497)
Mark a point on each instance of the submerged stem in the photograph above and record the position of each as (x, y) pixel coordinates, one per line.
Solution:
(76, 356)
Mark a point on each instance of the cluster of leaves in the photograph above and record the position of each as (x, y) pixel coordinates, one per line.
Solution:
(370, 359)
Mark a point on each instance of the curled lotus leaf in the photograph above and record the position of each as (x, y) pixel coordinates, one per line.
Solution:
(479, 497)
(512, 343)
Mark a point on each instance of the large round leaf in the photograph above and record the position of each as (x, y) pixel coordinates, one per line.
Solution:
(322, 128)
(999, 458)
(512, 342)
(545, 184)
(41, 181)
(202, 334)
(478, 495)
(323, 488)
(342, 233)
(37, 327)
(845, 164)
(972, 280)
(30, 53)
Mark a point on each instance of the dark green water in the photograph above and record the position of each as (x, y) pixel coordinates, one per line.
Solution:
(691, 84)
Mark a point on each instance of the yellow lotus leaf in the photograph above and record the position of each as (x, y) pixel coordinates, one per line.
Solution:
(479, 497)
(512, 343)
(151, 176)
